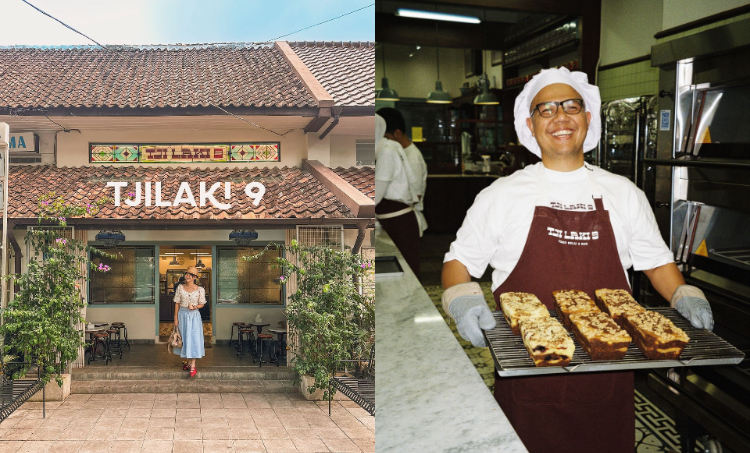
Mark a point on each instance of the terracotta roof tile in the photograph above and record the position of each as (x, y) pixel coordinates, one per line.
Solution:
(346, 70)
(363, 178)
(232, 75)
(290, 192)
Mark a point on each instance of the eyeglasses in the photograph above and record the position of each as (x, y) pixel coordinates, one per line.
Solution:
(191, 274)
(549, 109)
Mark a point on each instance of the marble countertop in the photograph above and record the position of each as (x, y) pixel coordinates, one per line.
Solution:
(429, 396)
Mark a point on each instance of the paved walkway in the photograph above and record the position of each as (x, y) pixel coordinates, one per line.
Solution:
(188, 422)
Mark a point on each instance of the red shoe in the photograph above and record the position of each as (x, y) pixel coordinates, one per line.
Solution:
(185, 365)
(193, 372)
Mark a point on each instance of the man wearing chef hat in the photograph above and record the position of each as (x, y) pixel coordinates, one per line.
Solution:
(521, 225)
(395, 196)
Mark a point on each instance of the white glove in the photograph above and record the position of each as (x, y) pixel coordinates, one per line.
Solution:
(466, 305)
(692, 304)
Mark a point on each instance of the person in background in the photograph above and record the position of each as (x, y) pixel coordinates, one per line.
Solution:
(188, 299)
(394, 196)
(177, 283)
(395, 127)
(562, 224)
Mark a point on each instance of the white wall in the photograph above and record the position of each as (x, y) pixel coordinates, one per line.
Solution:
(140, 321)
(343, 150)
(678, 12)
(628, 28)
(225, 316)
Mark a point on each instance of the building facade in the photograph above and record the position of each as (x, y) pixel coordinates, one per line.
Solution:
(192, 145)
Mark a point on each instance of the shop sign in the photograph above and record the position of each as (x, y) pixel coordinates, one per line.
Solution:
(140, 194)
(22, 142)
(101, 153)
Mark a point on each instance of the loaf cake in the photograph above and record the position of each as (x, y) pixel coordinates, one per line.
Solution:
(599, 335)
(617, 302)
(517, 306)
(547, 341)
(569, 301)
(655, 335)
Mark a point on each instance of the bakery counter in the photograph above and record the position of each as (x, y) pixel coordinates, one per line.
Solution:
(429, 395)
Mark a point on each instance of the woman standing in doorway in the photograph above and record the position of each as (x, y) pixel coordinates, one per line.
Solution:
(188, 299)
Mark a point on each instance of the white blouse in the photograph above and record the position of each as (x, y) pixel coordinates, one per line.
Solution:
(184, 298)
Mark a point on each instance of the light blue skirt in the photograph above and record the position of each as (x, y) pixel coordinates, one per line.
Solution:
(191, 329)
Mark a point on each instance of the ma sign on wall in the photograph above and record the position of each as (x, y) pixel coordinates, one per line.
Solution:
(22, 142)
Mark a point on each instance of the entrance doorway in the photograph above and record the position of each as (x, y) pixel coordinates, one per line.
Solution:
(173, 263)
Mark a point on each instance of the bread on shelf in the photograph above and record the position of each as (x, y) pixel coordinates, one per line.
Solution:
(569, 301)
(655, 335)
(547, 341)
(616, 303)
(599, 335)
(517, 306)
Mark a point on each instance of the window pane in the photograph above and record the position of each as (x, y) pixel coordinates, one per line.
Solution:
(129, 280)
(249, 282)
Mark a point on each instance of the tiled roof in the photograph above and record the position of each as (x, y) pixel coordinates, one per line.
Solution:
(232, 75)
(290, 192)
(346, 70)
(362, 178)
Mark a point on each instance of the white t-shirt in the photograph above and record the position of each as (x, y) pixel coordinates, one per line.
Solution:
(391, 181)
(497, 225)
(419, 169)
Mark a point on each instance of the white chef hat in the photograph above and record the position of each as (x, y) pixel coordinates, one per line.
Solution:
(380, 127)
(579, 81)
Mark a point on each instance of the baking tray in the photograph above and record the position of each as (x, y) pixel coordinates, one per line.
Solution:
(704, 348)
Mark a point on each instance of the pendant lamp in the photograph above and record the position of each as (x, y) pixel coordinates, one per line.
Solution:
(438, 96)
(386, 93)
(485, 97)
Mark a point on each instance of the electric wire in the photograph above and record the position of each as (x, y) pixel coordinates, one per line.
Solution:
(320, 23)
(215, 43)
(64, 24)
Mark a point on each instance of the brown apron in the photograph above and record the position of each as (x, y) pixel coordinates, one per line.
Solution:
(591, 412)
(403, 230)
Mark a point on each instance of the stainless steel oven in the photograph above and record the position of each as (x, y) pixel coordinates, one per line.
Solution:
(699, 183)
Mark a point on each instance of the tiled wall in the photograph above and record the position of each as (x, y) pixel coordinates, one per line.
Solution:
(704, 27)
(628, 81)
(640, 79)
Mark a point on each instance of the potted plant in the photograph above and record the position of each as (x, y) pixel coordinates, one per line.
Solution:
(330, 315)
(40, 321)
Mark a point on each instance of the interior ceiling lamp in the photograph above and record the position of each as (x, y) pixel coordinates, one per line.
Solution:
(434, 15)
(243, 237)
(200, 264)
(110, 238)
(438, 96)
(385, 93)
(174, 261)
(485, 97)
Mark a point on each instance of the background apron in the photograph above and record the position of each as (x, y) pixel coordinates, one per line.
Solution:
(404, 230)
(587, 412)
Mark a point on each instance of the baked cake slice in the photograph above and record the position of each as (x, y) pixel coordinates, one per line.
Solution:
(517, 306)
(616, 303)
(547, 341)
(599, 335)
(569, 301)
(655, 335)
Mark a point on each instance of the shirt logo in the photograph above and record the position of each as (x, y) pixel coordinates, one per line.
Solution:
(573, 237)
(571, 207)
